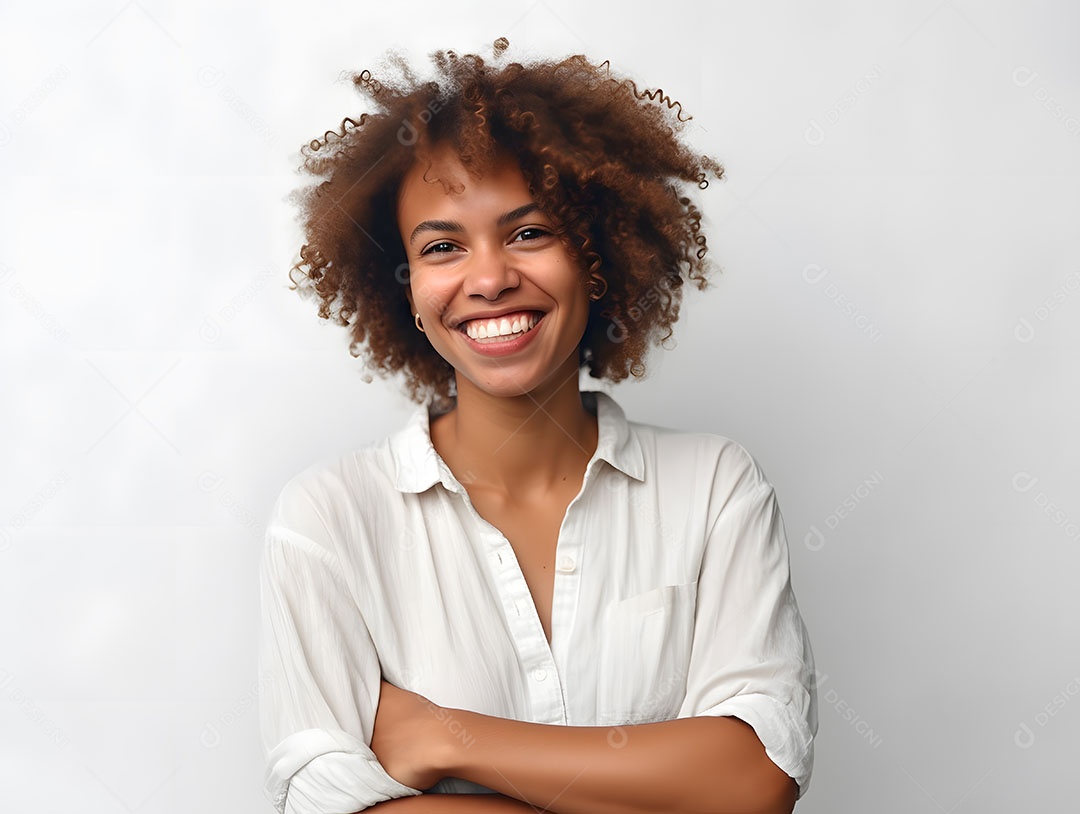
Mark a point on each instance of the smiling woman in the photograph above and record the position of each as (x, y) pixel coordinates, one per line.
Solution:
(599, 157)
(522, 599)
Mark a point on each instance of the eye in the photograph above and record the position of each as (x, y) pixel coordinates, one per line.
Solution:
(532, 233)
(442, 247)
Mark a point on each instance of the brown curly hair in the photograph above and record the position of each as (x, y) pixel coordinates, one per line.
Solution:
(600, 156)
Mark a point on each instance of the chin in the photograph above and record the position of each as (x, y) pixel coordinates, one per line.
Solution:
(510, 385)
(505, 389)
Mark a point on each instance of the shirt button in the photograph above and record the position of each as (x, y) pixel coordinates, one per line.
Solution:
(539, 674)
(566, 564)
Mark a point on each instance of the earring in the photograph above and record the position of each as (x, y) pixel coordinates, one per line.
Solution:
(419, 325)
(597, 286)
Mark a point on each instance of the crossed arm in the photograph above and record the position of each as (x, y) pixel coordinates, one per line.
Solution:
(700, 764)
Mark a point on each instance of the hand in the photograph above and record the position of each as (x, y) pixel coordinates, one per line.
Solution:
(406, 736)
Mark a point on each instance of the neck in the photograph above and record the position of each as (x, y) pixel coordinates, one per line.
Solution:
(517, 445)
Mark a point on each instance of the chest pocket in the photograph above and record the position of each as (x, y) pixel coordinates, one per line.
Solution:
(644, 655)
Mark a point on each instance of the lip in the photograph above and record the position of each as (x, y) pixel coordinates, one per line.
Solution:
(506, 347)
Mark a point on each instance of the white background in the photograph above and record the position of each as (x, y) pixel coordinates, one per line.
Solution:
(894, 336)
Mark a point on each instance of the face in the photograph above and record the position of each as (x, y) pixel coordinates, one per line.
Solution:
(499, 295)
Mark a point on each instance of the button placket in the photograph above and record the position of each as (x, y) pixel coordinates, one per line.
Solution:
(545, 695)
(536, 653)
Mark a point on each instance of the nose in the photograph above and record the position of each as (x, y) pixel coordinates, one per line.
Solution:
(489, 272)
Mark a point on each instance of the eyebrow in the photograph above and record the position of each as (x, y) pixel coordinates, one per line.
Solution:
(454, 226)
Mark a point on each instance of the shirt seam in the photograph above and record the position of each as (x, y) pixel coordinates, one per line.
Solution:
(285, 534)
(731, 508)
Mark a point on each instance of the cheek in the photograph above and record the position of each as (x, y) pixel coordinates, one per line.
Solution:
(568, 279)
(427, 297)
(576, 289)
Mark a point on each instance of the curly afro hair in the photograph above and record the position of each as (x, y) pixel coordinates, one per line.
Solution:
(602, 158)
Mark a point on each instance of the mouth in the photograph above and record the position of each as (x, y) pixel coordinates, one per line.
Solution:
(501, 329)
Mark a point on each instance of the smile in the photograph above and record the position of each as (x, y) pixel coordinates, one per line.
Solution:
(501, 329)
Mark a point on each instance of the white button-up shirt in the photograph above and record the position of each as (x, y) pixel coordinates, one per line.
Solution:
(672, 599)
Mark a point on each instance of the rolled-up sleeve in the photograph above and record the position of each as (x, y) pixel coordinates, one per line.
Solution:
(319, 671)
(751, 655)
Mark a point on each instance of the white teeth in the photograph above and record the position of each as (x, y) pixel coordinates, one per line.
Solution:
(502, 326)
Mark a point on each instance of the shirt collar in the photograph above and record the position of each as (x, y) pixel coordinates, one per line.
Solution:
(417, 466)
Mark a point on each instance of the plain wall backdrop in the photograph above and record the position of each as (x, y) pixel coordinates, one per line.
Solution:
(893, 333)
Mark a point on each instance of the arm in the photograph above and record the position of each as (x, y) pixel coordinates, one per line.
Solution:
(670, 766)
(689, 765)
(319, 672)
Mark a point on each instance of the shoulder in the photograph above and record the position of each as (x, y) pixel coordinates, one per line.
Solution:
(718, 452)
(710, 464)
(331, 494)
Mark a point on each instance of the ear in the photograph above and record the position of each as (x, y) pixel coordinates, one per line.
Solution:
(409, 297)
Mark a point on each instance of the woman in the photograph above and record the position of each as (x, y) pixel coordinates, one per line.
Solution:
(523, 592)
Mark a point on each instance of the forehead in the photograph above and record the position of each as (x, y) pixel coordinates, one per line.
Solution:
(438, 184)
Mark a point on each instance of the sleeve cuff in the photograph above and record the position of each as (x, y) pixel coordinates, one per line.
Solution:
(786, 736)
(317, 771)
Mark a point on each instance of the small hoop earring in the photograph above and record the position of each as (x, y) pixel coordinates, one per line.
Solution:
(419, 326)
(597, 286)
